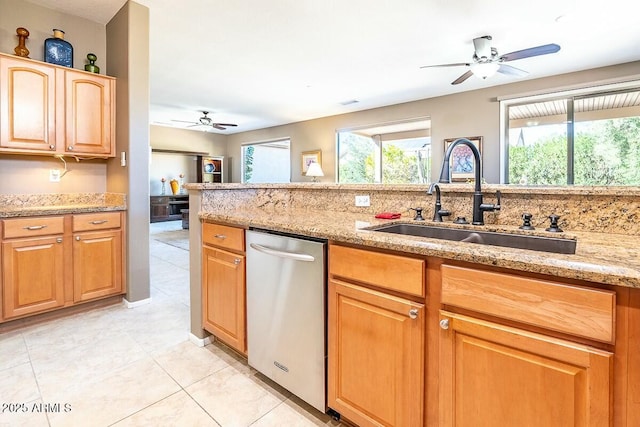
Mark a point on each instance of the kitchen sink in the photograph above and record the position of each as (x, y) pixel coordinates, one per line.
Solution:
(493, 238)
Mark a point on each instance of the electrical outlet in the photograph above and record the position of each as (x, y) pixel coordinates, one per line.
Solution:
(363, 200)
(54, 175)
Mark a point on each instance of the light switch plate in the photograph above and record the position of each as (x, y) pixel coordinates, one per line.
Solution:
(363, 200)
(54, 175)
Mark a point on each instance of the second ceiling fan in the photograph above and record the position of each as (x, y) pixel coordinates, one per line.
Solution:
(487, 62)
(205, 120)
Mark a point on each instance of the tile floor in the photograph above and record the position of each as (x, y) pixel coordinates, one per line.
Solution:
(119, 366)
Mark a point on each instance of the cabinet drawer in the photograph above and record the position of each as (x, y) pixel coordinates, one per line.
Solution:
(395, 272)
(159, 200)
(223, 236)
(96, 221)
(33, 226)
(579, 311)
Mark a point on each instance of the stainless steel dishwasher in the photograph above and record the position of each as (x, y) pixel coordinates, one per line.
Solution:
(286, 291)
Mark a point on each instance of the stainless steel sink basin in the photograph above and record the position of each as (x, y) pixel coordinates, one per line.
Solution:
(519, 241)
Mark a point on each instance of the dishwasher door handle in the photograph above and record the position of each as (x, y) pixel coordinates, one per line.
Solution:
(282, 254)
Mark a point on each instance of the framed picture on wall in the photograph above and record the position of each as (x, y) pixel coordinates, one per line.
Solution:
(461, 161)
(309, 157)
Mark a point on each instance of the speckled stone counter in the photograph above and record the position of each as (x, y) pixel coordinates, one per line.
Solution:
(19, 205)
(611, 256)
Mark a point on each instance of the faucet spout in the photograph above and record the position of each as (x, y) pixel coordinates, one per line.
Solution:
(445, 177)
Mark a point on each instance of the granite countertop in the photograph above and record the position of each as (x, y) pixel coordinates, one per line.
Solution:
(22, 205)
(612, 259)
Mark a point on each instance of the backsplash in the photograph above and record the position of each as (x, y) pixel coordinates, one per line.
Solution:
(598, 209)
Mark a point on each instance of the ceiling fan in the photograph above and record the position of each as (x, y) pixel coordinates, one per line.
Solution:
(205, 120)
(486, 61)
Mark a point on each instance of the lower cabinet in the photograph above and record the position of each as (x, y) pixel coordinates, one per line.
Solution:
(223, 285)
(32, 275)
(224, 296)
(494, 375)
(41, 256)
(376, 337)
(97, 264)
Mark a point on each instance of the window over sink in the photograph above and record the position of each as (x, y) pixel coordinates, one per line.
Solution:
(582, 137)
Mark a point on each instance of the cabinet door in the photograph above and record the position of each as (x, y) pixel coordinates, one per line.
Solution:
(493, 375)
(33, 275)
(97, 264)
(223, 299)
(27, 106)
(376, 356)
(90, 114)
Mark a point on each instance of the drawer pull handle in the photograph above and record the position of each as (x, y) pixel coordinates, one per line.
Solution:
(34, 227)
(413, 313)
(59, 240)
(444, 324)
(101, 221)
(220, 236)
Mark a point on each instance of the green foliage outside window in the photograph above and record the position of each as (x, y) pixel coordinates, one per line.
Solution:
(606, 152)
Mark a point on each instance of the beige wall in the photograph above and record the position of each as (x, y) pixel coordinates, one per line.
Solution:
(474, 113)
(128, 47)
(85, 36)
(168, 138)
(30, 174)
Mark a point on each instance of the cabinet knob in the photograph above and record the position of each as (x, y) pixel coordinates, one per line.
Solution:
(444, 324)
(78, 238)
(70, 148)
(59, 240)
(237, 261)
(413, 313)
(52, 147)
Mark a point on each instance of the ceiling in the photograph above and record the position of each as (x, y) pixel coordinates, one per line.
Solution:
(261, 63)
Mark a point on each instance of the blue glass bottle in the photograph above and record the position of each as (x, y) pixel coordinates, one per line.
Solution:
(57, 50)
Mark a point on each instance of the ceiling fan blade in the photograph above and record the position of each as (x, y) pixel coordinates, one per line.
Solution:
(223, 124)
(462, 78)
(482, 46)
(512, 71)
(182, 121)
(457, 64)
(532, 51)
(194, 124)
(218, 126)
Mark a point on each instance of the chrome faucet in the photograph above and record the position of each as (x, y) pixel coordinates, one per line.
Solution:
(479, 208)
(438, 212)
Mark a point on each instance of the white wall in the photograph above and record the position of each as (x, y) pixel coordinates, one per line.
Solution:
(170, 166)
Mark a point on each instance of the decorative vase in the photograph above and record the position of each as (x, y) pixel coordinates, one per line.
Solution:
(163, 191)
(57, 50)
(175, 186)
(21, 49)
(91, 66)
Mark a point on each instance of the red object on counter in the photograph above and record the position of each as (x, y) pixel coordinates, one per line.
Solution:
(388, 215)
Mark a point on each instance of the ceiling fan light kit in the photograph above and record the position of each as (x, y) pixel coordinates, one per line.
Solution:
(484, 69)
(487, 62)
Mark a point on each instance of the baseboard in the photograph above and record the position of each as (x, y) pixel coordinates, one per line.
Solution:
(136, 303)
(200, 342)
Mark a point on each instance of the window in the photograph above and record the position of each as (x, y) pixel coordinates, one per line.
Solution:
(398, 153)
(581, 138)
(266, 162)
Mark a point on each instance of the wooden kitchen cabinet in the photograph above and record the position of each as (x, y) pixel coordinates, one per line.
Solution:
(224, 285)
(48, 109)
(494, 375)
(97, 256)
(51, 262)
(90, 114)
(27, 106)
(376, 338)
(33, 264)
(514, 361)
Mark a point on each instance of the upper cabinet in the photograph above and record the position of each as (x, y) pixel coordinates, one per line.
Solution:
(47, 109)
